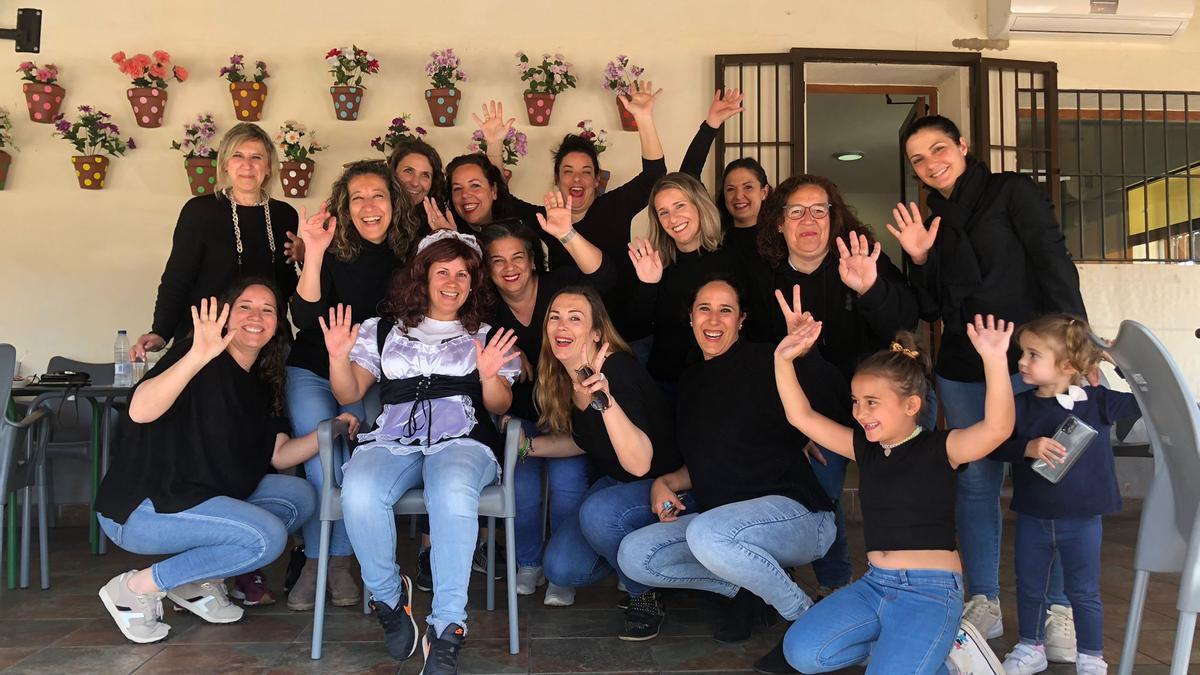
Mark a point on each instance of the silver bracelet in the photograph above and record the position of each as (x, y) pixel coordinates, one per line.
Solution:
(568, 236)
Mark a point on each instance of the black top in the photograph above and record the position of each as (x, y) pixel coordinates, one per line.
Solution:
(734, 435)
(999, 251)
(216, 440)
(697, 152)
(644, 405)
(361, 283)
(853, 327)
(529, 337)
(204, 259)
(907, 497)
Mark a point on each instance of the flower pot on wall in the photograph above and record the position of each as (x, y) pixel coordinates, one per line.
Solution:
(627, 121)
(149, 104)
(346, 102)
(604, 176)
(91, 170)
(43, 101)
(202, 174)
(248, 100)
(539, 107)
(5, 161)
(443, 105)
(507, 173)
(296, 176)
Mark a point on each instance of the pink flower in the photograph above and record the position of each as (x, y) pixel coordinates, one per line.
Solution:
(157, 71)
(26, 65)
(333, 52)
(373, 65)
(142, 60)
(161, 56)
(116, 58)
(44, 74)
(181, 73)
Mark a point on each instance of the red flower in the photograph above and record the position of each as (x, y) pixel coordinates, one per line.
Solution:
(157, 71)
(181, 73)
(118, 58)
(333, 52)
(373, 66)
(161, 56)
(142, 60)
(131, 68)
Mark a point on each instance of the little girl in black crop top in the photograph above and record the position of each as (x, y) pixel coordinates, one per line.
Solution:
(905, 612)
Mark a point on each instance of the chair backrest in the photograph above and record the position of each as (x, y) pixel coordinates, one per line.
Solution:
(73, 421)
(1172, 421)
(8, 368)
(8, 433)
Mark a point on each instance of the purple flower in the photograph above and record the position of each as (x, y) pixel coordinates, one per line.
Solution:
(85, 109)
(131, 144)
(236, 59)
(421, 131)
(62, 126)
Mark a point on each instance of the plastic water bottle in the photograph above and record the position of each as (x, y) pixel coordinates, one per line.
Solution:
(122, 368)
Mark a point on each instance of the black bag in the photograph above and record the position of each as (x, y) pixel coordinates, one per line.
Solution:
(65, 378)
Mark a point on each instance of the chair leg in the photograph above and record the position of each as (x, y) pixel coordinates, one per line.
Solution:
(26, 531)
(1183, 643)
(322, 580)
(43, 532)
(1133, 626)
(510, 540)
(412, 526)
(491, 564)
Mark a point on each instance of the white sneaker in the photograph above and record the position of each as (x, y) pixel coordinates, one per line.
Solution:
(1025, 660)
(139, 617)
(208, 600)
(559, 596)
(1090, 665)
(971, 655)
(529, 577)
(985, 615)
(1060, 635)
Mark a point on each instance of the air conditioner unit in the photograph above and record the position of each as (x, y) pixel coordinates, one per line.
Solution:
(1017, 18)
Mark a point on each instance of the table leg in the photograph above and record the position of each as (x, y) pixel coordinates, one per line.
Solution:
(12, 540)
(93, 525)
(105, 443)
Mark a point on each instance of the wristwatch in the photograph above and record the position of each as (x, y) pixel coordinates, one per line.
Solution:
(568, 236)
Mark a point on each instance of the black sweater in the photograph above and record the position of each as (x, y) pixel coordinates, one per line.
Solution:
(999, 251)
(734, 435)
(361, 283)
(204, 259)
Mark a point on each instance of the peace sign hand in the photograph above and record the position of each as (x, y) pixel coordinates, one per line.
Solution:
(557, 221)
(802, 329)
(725, 104)
(492, 124)
(858, 265)
(911, 233)
(499, 351)
(207, 323)
(436, 219)
(317, 231)
(340, 333)
(647, 262)
(595, 382)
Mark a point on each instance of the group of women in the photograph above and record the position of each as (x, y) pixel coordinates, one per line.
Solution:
(691, 425)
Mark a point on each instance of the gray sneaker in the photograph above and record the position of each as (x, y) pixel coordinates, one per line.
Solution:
(139, 617)
(206, 599)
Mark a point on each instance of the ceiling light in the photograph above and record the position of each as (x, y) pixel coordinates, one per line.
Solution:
(848, 156)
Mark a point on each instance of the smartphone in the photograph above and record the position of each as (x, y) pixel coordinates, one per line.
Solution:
(1075, 435)
(599, 399)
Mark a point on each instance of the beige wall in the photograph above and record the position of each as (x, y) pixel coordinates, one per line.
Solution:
(77, 265)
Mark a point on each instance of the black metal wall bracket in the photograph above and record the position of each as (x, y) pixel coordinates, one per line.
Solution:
(28, 33)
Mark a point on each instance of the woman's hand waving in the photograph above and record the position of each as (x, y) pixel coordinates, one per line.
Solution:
(340, 333)
(499, 351)
(207, 324)
(911, 233)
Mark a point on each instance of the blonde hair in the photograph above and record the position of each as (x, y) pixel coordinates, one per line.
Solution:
(1070, 338)
(347, 242)
(552, 393)
(240, 133)
(711, 232)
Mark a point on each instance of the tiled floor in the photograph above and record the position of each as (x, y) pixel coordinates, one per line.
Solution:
(65, 629)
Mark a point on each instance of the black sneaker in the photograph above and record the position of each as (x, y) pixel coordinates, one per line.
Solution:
(441, 653)
(644, 617)
(741, 613)
(294, 568)
(479, 561)
(623, 601)
(774, 663)
(399, 628)
(424, 580)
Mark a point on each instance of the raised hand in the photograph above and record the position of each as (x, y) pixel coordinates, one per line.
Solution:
(596, 381)
(557, 221)
(293, 248)
(911, 233)
(1048, 450)
(207, 324)
(640, 102)
(725, 104)
(493, 124)
(437, 219)
(317, 230)
(802, 329)
(647, 262)
(499, 351)
(857, 266)
(340, 333)
(990, 336)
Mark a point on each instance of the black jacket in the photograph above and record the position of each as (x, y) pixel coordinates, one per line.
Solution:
(999, 251)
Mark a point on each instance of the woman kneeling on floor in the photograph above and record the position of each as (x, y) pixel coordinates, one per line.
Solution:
(190, 475)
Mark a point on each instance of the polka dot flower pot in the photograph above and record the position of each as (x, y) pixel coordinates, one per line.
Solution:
(43, 101)
(90, 170)
(539, 106)
(627, 121)
(149, 104)
(443, 105)
(346, 102)
(5, 160)
(248, 100)
(296, 176)
(202, 174)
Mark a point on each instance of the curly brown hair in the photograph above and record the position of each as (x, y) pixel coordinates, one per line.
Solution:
(771, 244)
(270, 363)
(408, 298)
(347, 242)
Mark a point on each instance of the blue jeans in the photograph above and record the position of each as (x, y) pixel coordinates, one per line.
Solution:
(310, 402)
(833, 569)
(905, 620)
(978, 505)
(567, 477)
(746, 544)
(452, 478)
(220, 537)
(1076, 541)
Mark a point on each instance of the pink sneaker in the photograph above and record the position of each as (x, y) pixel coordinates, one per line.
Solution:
(251, 589)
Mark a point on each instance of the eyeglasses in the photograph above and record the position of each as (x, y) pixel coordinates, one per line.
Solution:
(797, 211)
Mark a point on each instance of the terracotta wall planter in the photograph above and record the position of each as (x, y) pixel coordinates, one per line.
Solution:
(604, 176)
(507, 173)
(248, 100)
(539, 107)
(91, 170)
(296, 176)
(202, 174)
(627, 121)
(149, 104)
(346, 102)
(5, 161)
(443, 105)
(43, 101)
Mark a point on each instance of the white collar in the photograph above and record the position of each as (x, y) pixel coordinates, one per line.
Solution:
(1074, 393)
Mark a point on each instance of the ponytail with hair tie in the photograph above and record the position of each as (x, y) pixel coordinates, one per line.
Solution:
(910, 353)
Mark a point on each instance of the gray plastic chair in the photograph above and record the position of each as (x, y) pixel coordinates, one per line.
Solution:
(23, 467)
(496, 501)
(71, 432)
(1169, 533)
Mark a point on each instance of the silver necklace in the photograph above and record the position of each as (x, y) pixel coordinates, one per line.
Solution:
(237, 228)
(887, 447)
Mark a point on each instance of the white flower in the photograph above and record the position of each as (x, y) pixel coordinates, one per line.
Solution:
(292, 137)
